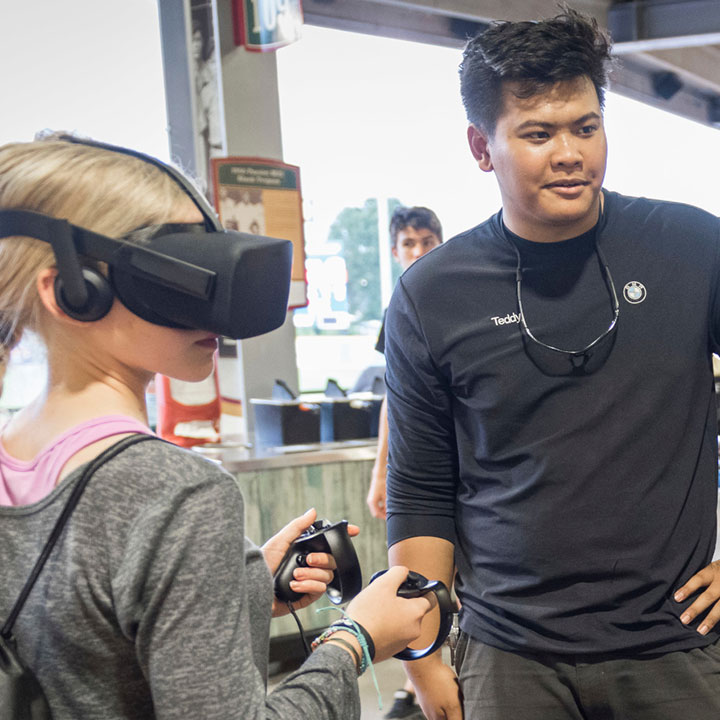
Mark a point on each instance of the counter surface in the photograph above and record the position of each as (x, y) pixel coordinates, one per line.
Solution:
(236, 458)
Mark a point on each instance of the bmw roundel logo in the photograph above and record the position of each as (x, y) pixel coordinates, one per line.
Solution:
(634, 292)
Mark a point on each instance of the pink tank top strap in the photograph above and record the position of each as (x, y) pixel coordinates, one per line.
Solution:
(23, 482)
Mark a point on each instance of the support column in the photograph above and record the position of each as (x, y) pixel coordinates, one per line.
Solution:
(250, 115)
(252, 125)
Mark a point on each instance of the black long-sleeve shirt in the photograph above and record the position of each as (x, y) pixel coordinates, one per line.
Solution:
(578, 502)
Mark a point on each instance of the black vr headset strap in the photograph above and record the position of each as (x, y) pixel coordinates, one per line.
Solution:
(68, 241)
(145, 263)
(211, 219)
(59, 234)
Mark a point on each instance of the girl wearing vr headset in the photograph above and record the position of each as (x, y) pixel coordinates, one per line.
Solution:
(153, 603)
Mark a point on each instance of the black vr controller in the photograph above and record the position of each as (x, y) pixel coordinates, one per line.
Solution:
(322, 537)
(414, 586)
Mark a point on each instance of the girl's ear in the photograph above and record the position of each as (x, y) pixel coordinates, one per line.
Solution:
(480, 148)
(46, 290)
(98, 303)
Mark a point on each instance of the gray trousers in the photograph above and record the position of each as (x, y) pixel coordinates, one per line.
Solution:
(500, 685)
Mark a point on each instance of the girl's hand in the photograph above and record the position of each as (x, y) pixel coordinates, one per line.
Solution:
(393, 622)
(311, 581)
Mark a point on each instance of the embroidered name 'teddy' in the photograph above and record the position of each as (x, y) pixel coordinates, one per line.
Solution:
(514, 318)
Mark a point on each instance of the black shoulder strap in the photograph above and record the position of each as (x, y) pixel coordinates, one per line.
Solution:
(77, 491)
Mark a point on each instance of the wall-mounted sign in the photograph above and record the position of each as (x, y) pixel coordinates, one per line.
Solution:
(266, 24)
(262, 197)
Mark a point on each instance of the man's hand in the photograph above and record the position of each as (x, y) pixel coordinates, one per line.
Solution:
(376, 498)
(708, 578)
(436, 685)
(437, 689)
(377, 493)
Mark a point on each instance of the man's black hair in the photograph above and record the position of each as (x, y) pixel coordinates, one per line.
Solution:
(535, 56)
(416, 217)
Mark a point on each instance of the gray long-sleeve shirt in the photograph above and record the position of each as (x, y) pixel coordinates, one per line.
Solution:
(154, 604)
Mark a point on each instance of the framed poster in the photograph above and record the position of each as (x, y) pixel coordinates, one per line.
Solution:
(262, 197)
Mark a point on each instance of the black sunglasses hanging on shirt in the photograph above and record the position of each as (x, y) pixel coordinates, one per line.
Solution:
(558, 361)
(195, 275)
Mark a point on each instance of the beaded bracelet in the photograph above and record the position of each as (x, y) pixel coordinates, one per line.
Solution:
(322, 637)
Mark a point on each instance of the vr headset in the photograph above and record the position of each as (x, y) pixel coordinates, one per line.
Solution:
(178, 275)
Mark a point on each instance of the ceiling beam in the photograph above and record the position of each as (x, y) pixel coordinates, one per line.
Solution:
(634, 78)
(695, 66)
(647, 25)
(441, 22)
(487, 10)
(451, 22)
(391, 20)
(483, 10)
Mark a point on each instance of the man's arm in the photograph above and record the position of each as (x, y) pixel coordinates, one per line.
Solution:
(435, 683)
(421, 483)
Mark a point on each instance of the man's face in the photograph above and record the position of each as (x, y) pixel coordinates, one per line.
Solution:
(412, 244)
(548, 153)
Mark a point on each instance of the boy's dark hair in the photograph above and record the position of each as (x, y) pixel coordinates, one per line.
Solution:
(536, 56)
(416, 217)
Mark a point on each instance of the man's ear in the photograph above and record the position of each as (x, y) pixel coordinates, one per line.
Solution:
(480, 148)
(394, 251)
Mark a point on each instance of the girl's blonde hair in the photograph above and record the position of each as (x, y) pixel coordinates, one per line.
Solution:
(104, 191)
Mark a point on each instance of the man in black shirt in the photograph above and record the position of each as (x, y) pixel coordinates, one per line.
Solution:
(551, 412)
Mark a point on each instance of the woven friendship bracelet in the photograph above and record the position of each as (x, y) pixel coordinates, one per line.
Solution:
(353, 625)
(358, 661)
(362, 661)
(365, 640)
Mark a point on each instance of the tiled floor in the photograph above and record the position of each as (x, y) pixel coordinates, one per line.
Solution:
(390, 677)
